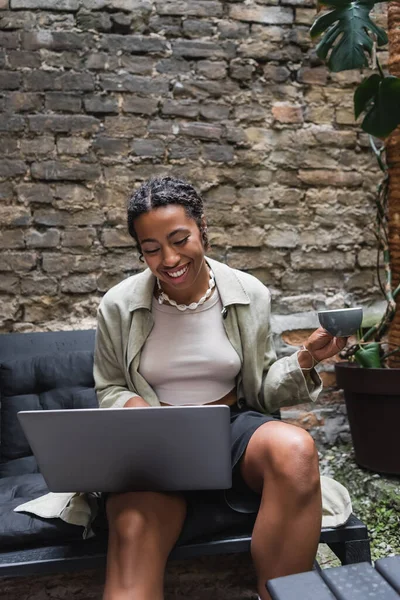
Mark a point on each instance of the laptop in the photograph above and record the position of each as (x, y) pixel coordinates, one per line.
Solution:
(131, 449)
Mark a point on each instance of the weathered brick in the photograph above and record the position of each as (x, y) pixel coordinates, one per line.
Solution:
(218, 153)
(269, 15)
(66, 263)
(124, 126)
(232, 30)
(134, 44)
(214, 112)
(64, 5)
(197, 28)
(14, 216)
(81, 237)
(79, 284)
(9, 39)
(333, 178)
(54, 40)
(100, 21)
(62, 60)
(148, 148)
(39, 80)
(170, 26)
(12, 168)
(174, 66)
(11, 238)
(9, 80)
(63, 102)
(139, 65)
(141, 106)
(83, 82)
(212, 69)
(47, 239)
(9, 146)
(287, 113)
(11, 123)
(184, 149)
(180, 108)
(109, 146)
(39, 146)
(203, 49)
(62, 218)
(24, 102)
(207, 131)
(19, 59)
(101, 61)
(313, 76)
(276, 73)
(367, 257)
(335, 260)
(18, 262)
(134, 83)
(72, 196)
(9, 284)
(101, 104)
(73, 146)
(63, 124)
(6, 192)
(242, 69)
(127, 5)
(189, 8)
(34, 193)
(106, 280)
(52, 170)
(117, 238)
(38, 285)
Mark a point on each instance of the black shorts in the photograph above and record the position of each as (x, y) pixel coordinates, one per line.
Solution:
(244, 422)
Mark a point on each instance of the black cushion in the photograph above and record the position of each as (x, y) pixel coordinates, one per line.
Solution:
(19, 530)
(44, 382)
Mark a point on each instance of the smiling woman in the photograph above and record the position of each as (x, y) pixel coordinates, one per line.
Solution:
(191, 330)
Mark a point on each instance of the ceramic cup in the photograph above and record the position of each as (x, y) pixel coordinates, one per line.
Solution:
(341, 322)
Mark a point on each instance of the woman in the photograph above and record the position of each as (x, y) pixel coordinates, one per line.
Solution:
(192, 330)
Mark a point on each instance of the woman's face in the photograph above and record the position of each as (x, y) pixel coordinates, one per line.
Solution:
(172, 247)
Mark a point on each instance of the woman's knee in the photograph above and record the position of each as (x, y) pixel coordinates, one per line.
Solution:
(287, 454)
(134, 515)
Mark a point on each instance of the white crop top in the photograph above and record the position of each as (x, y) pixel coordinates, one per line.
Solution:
(187, 358)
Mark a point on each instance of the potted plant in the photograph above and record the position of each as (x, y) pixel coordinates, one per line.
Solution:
(370, 378)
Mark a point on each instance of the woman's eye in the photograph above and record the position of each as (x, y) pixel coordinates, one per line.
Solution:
(181, 242)
(150, 251)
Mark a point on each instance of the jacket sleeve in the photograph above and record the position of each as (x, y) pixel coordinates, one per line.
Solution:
(284, 383)
(110, 382)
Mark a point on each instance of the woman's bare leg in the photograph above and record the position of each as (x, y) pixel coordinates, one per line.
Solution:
(281, 463)
(143, 529)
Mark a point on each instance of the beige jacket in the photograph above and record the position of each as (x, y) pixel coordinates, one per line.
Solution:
(125, 321)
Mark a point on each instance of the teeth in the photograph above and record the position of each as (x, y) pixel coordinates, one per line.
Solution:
(178, 273)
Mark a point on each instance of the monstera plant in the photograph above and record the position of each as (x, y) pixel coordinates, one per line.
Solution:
(350, 39)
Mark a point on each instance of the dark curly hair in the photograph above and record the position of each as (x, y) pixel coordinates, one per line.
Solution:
(163, 191)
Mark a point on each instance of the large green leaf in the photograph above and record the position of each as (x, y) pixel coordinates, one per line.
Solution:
(368, 356)
(347, 39)
(379, 98)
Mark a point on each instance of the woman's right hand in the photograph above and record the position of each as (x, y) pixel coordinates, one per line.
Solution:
(136, 402)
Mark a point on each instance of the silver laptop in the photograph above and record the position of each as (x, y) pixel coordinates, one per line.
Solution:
(131, 449)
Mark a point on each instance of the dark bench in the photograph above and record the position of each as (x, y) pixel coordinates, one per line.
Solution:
(342, 583)
(45, 546)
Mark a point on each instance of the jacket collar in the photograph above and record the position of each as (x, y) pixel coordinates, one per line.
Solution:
(229, 286)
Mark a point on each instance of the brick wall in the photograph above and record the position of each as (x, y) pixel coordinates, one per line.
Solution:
(98, 95)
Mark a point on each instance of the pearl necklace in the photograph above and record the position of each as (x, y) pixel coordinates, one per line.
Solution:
(163, 297)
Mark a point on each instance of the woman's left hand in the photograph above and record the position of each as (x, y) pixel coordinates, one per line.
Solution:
(321, 345)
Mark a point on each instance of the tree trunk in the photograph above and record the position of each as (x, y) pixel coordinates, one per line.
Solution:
(393, 159)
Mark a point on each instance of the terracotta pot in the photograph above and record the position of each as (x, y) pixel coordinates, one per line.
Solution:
(373, 407)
